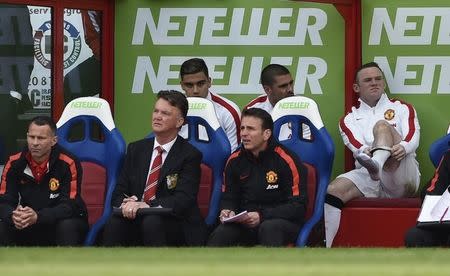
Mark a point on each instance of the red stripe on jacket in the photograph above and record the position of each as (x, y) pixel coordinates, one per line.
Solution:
(232, 156)
(237, 120)
(412, 127)
(294, 170)
(73, 172)
(257, 100)
(435, 177)
(6, 170)
(349, 134)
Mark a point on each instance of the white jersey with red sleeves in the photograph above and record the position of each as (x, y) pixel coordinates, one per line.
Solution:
(262, 102)
(229, 117)
(356, 127)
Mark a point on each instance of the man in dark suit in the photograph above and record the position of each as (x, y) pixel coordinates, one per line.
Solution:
(176, 164)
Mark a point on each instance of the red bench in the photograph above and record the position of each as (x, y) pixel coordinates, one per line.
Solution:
(376, 222)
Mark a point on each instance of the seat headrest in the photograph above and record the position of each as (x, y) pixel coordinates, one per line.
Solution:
(88, 106)
(298, 105)
(203, 108)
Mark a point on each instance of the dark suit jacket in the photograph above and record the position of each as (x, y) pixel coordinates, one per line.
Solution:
(177, 185)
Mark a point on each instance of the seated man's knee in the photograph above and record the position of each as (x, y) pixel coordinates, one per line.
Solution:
(152, 223)
(223, 235)
(344, 189)
(414, 237)
(6, 234)
(270, 233)
(70, 232)
(381, 125)
(336, 189)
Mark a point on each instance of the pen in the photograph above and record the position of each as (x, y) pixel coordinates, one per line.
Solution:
(443, 215)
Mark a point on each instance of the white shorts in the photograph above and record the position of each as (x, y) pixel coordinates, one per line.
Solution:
(403, 182)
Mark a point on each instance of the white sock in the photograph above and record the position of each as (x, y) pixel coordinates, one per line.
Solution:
(381, 156)
(332, 217)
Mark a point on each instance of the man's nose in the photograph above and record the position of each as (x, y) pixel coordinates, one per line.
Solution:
(195, 88)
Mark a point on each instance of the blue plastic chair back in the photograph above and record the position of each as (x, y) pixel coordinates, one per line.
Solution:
(202, 130)
(107, 152)
(438, 148)
(312, 143)
(205, 133)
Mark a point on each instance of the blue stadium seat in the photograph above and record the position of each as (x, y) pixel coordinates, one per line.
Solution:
(204, 132)
(86, 128)
(438, 148)
(313, 144)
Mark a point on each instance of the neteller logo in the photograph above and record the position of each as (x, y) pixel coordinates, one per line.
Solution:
(86, 105)
(43, 42)
(294, 105)
(197, 106)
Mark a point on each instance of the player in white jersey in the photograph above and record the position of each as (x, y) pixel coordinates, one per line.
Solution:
(195, 82)
(278, 84)
(383, 135)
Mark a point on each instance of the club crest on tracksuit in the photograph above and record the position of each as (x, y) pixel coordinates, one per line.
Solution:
(389, 114)
(271, 178)
(171, 181)
(53, 184)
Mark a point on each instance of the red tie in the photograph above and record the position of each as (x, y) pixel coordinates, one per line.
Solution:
(152, 182)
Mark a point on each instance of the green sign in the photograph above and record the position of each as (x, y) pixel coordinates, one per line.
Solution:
(237, 39)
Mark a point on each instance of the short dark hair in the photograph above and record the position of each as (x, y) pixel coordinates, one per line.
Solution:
(364, 66)
(193, 66)
(269, 73)
(267, 122)
(42, 120)
(175, 98)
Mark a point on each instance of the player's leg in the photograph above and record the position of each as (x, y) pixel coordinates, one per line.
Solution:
(385, 137)
(339, 192)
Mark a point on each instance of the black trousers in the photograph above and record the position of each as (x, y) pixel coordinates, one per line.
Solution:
(271, 232)
(417, 237)
(66, 232)
(146, 230)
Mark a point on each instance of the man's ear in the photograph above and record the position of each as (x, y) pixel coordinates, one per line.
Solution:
(356, 87)
(54, 140)
(266, 134)
(267, 89)
(180, 122)
(209, 82)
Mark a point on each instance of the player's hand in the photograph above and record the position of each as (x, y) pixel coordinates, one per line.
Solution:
(225, 213)
(252, 220)
(130, 208)
(398, 152)
(23, 217)
(367, 151)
